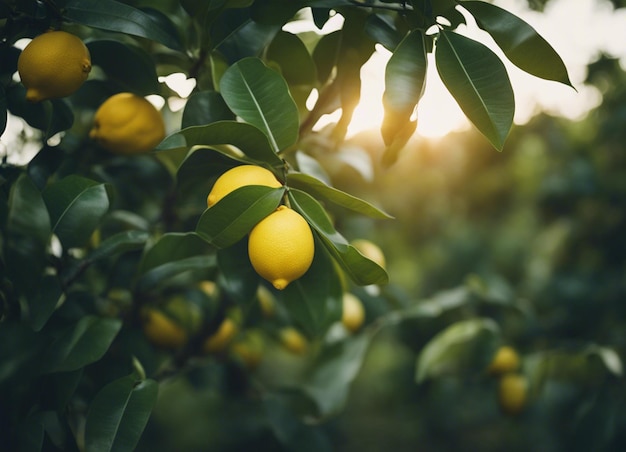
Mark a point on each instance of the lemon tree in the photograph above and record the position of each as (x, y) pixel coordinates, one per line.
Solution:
(159, 241)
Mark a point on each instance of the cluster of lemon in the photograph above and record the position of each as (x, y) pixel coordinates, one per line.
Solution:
(173, 327)
(512, 385)
(55, 64)
(281, 246)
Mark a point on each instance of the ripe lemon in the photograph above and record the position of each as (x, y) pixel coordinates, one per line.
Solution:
(370, 250)
(353, 312)
(281, 247)
(293, 340)
(512, 393)
(54, 64)
(240, 176)
(163, 331)
(219, 340)
(127, 124)
(504, 361)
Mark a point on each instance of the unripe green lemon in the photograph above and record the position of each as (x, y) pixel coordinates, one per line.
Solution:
(504, 361)
(53, 65)
(127, 124)
(219, 340)
(281, 247)
(293, 340)
(240, 176)
(512, 393)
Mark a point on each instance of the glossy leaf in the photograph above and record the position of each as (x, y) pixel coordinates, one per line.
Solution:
(50, 116)
(380, 28)
(236, 35)
(460, 349)
(325, 55)
(478, 80)
(119, 243)
(76, 206)
(41, 306)
(205, 107)
(360, 269)
(260, 96)
(333, 372)
(3, 110)
(129, 68)
(237, 276)
(228, 221)
(314, 301)
(115, 16)
(519, 41)
(28, 231)
(172, 254)
(246, 137)
(405, 77)
(82, 344)
(319, 189)
(290, 53)
(118, 415)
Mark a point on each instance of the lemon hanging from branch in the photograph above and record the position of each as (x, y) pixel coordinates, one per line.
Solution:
(281, 247)
(241, 176)
(53, 65)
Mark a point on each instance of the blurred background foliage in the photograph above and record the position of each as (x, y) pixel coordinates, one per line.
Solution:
(537, 230)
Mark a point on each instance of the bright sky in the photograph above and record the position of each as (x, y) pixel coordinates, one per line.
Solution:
(578, 30)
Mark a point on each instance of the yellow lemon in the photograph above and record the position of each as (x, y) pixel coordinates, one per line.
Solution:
(219, 340)
(512, 393)
(293, 340)
(504, 361)
(127, 124)
(240, 176)
(281, 247)
(353, 312)
(54, 64)
(370, 250)
(163, 331)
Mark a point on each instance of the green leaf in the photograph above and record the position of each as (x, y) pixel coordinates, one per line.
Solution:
(81, 344)
(245, 137)
(27, 235)
(319, 189)
(333, 372)
(405, 77)
(463, 348)
(237, 276)
(359, 268)
(119, 414)
(314, 300)
(50, 116)
(128, 67)
(290, 53)
(198, 172)
(325, 55)
(119, 243)
(174, 253)
(115, 16)
(228, 221)
(478, 80)
(41, 306)
(3, 110)
(260, 96)
(205, 107)
(520, 42)
(76, 206)
(380, 28)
